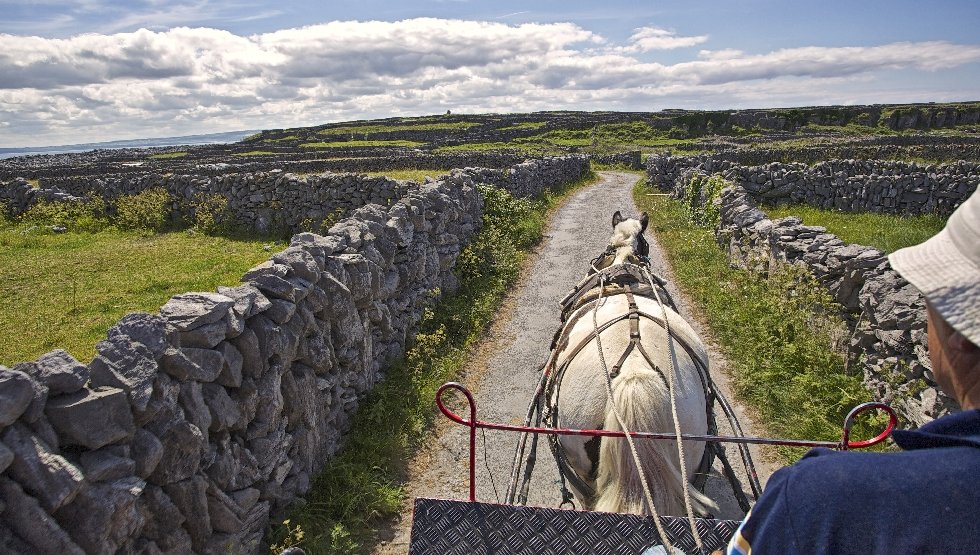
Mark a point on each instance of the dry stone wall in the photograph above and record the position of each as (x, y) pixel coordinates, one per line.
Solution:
(846, 185)
(280, 200)
(191, 428)
(886, 314)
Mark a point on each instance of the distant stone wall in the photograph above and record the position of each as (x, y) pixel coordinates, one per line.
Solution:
(278, 200)
(847, 185)
(192, 428)
(885, 313)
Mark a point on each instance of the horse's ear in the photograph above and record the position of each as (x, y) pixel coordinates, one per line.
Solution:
(617, 217)
(644, 220)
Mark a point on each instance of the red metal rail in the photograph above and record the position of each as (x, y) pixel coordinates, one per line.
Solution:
(844, 444)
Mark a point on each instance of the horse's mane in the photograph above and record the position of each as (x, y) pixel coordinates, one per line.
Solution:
(624, 233)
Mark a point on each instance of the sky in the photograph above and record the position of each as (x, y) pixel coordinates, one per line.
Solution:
(79, 71)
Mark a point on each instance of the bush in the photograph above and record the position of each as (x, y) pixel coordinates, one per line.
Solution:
(211, 215)
(88, 215)
(147, 211)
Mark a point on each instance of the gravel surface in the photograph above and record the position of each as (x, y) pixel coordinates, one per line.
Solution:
(503, 372)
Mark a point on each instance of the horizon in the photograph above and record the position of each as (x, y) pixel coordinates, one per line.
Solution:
(82, 72)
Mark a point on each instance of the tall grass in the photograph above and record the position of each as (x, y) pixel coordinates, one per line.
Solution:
(780, 332)
(885, 232)
(363, 482)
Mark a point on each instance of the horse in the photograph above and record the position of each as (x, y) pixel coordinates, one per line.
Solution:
(647, 350)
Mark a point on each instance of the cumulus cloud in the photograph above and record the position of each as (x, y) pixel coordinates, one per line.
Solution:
(646, 39)
(194, 80)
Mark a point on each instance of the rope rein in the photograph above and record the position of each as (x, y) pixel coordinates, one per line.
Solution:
(629, 439)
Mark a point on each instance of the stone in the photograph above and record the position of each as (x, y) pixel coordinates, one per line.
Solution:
(126, 364)
(231, 371)
(253, 363)
(161, 515)
(59, 371)
(49, 477)
(16, 394)
(146, 329)
(270, 404)
(276, 287)
(104, 517)
(6, 457)
(300, 262)
(281, 311)
(234, 466)
(245, 498)
(182, 445)
(146, 451)
(11, 542)
(178, 542)
(224, 412)
(249, 301)
(91, 417)
(25, 517)
(190, 310)
(205, 336)
(103, 466)
(190, 497)
(208, 363)
(224, 512)
(162, 401)
(196, 411)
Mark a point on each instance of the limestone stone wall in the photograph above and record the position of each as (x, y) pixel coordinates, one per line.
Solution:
(885, 313)
(192, 427)
(281, 200)
(847, 185)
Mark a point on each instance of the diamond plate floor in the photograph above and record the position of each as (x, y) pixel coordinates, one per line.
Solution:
(464, 528)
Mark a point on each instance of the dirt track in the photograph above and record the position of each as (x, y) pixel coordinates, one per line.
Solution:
(504, 371)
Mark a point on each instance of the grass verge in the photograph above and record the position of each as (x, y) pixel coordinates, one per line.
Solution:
(362, 483)
(779, 332)
(352, 144)
(65, 290)
(885, 232)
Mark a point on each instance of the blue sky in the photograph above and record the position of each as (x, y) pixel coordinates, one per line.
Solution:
(91, 70)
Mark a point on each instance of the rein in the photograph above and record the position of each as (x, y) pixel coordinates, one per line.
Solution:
(630, 279)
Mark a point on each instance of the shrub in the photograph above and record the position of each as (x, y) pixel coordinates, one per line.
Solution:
(88, 215)
(147, 211)
(211, 215)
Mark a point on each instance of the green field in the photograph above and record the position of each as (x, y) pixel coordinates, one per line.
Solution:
(885, 232)
(65, 290)
(352, 144)
(369, 129)
(781, 333)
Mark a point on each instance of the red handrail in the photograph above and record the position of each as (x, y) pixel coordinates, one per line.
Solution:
(844, 444)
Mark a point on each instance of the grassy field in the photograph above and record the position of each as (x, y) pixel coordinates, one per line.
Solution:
(349, 144)
(417, 176)
(369, 129)
(363, 482)
(780, 333)
(886, 232)
(65, 290)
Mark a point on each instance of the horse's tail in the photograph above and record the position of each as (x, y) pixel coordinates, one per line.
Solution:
(641, 397)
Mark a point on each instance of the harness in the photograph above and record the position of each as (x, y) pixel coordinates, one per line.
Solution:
(630, 279)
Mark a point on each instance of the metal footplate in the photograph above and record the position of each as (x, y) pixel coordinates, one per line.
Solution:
(466, 527)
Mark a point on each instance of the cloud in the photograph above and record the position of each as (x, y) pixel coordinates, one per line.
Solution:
(646, 39)
(192, 80)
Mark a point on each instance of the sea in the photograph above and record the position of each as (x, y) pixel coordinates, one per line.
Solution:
(210, 138)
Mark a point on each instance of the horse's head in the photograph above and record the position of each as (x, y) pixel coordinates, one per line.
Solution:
(627, 240)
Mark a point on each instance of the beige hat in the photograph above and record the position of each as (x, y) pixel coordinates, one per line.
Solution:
(946, 268)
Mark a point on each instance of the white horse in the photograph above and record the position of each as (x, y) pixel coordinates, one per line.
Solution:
(604, 477)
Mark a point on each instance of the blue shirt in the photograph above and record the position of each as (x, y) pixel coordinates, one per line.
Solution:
(925, 499)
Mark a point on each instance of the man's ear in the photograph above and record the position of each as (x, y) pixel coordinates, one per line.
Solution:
(617, 217)
(644, 220)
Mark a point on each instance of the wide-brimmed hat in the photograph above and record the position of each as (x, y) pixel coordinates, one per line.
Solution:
(946, 268)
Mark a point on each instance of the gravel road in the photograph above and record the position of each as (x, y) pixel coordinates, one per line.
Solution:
(503, 373)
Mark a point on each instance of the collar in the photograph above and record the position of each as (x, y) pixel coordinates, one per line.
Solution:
(960, 429)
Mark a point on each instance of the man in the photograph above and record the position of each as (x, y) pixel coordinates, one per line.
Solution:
(925, 499)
